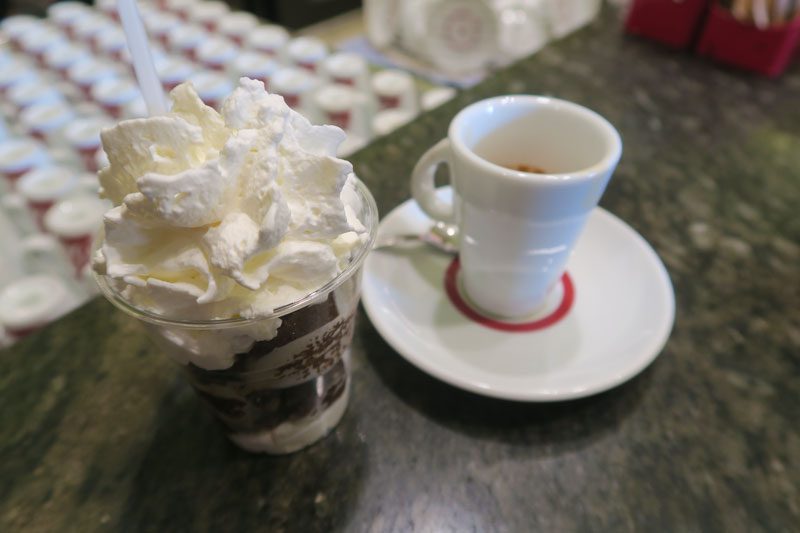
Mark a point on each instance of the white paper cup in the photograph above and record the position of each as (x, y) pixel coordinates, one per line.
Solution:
(181, 8)
(89, 27)
(347, 69)
(111, 42)
(32, 92)
(217, 53)
(14, 72)
(66, 14)
(207, 14)
(395, 89)
(37, 42)
(255, 65)
(173, 71)
(87, 73)
(61, 58)
(186, 39)
(16, 26)
(341, 106)
(46, 122)
(297, 86)
(159, 25)
(83, 135)
(113, 94)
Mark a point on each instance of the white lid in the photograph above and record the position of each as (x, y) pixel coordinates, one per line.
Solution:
(85, 132)
(33, 91)
(389, 120)
(90, 25)
(344, 65)
(437, 96)
(47, 117)
(392, 82)
(335, 98)
(91, 71)
(175, 69)
(292, 80)
(237, 22)
(17, 25)
(217, 50)
(19, 154)
(60, 57)
(47, 184)
(33, 301)
(306, 49)
(67, 12)
(255, 65)
(211, 85)
(208, 11)
(76, 216)
(187, 36)
(158, 22)
(267, 38)
(115, 91)
(42, 38)
(16, 71)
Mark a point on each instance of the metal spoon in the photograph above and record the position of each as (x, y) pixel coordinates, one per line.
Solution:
(441, 236)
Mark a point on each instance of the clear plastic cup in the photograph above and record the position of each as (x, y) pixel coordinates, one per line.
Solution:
(281, 382)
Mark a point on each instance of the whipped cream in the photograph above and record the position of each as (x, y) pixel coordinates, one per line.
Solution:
(224, 214)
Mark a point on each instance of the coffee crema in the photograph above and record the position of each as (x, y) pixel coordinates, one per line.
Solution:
(523, 167)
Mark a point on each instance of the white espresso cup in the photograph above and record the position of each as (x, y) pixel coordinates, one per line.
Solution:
(518, 227)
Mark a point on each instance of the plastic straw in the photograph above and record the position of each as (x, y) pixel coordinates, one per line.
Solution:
(146, 75)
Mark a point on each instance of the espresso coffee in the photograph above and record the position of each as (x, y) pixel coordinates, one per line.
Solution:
(523, 167)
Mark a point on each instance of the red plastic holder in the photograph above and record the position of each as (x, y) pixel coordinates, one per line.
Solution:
(768, 51)
(672, 22)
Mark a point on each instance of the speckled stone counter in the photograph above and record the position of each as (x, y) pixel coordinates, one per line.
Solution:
(98, 432)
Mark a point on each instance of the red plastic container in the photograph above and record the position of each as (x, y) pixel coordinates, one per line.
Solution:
(768, 51)
(673, 22)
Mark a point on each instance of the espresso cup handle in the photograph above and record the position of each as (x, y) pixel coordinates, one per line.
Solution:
(423, 188)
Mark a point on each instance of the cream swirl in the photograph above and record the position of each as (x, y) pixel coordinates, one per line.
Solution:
(219, 215)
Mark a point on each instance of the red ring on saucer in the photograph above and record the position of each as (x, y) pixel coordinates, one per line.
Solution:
(451, 288)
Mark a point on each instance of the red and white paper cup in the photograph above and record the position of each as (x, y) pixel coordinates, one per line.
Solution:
(32, 92)
(181, 8)
(207, 14)
(338, 105)
(111, 43)
(113, 94)
(172, 71)
(43, 187)
(83, 135)
(75, 220)
(306, 52)
(296, 85)
(61, 58)
(18, 156)
(217, 53)
(395, 89)
(16, 26)
(236, 25)
(38, 41)
(87, 73)
(212, 87)
(46, 122)
(32, 302)
(160, 25)
(345, 68)
(186, 39)
(268, 39)
(66, 14)
(255, 65)
(15, 71)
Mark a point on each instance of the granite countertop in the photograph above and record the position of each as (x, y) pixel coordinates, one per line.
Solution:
(98, 432)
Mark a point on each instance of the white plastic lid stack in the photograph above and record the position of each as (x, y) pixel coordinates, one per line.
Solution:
(18, 156)
(346, 68)
(61, 58)
(115, 93)
(30, 92)
(173, 71)
(395, 88)
(255, 65)
(217, 52)
(208, 13)
(88, 27)
(306, 52)
(38, 41)
(87, 73)
(182, 8)
(15, 26)
(433, 98)
(211, 87)
(186, 39)
(16, 71)
(269, 39)
(237, 24)
(296, 86)
(385, 122)
(160, 24)
(64, 14)
(47, 121)
(32, 302)
(112, 42)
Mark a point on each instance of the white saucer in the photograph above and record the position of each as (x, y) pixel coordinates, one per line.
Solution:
(621, 316)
